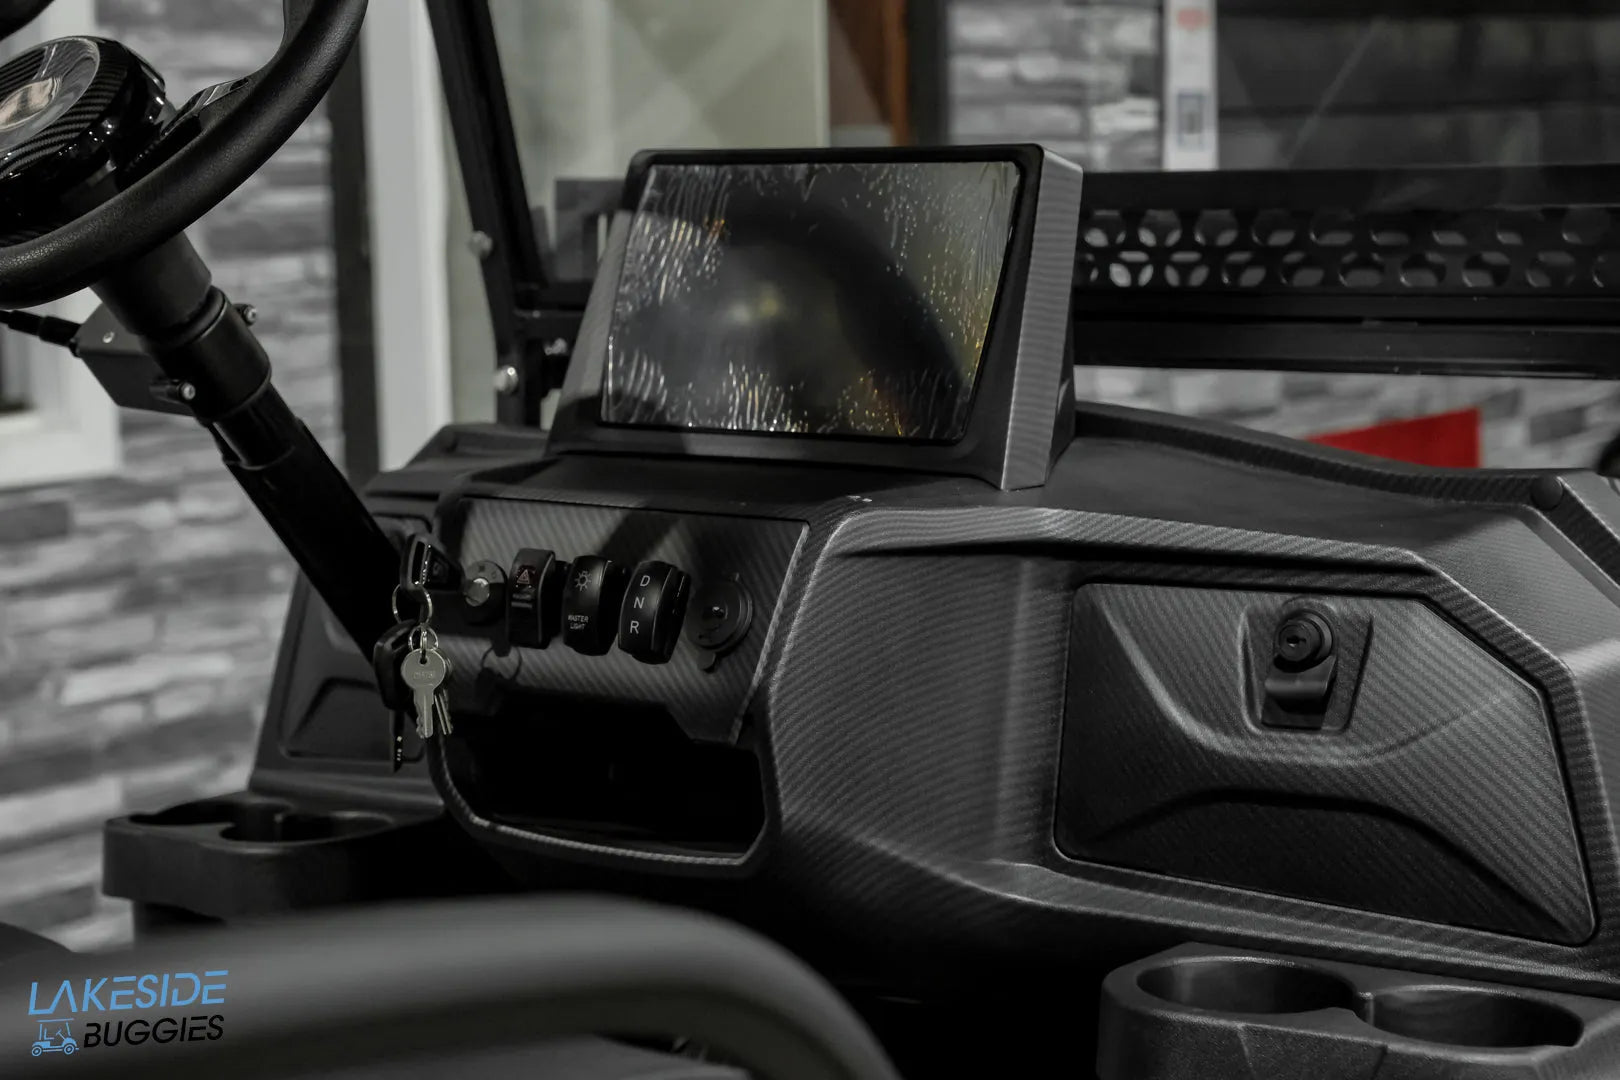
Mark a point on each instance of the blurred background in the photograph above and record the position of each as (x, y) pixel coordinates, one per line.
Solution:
(141, 599)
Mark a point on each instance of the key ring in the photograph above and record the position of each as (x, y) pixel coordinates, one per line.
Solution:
(425, 639)
(425, 604)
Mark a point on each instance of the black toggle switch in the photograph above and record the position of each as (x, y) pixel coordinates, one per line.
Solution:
(533, 598)
(650, 617)
(425, 562)
(590, 603)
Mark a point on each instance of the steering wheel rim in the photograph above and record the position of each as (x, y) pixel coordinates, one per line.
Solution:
(239, 131)
(16, 14)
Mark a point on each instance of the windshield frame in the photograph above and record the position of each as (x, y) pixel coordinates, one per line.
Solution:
(525, 300)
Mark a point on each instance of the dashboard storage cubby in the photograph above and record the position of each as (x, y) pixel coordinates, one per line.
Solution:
(248, 854)
(1197, 1011)
(1174, 735)
(625, 779)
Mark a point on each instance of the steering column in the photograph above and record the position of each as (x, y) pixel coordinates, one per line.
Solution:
(100, 175)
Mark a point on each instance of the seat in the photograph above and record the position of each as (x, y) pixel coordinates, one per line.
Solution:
(585, 1058)
(16, 943)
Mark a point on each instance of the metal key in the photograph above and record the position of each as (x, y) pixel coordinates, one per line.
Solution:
(442, 700)
(424, 671)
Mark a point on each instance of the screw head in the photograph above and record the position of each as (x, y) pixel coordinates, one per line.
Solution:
(109, 337)
(250, 314)
(507, 380)
(480, 244)
(188, 392)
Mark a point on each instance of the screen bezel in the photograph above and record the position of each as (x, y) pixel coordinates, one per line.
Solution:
(982, 450)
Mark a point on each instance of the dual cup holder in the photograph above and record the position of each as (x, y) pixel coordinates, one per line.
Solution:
(1197, 1013)
(249, 855)
(251, 820)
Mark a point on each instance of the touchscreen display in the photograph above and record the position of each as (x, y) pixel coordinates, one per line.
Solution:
(831, 299)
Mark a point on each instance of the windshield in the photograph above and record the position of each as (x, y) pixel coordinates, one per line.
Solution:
(1124, 86)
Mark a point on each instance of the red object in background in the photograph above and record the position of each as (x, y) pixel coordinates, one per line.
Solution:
(1449, 440)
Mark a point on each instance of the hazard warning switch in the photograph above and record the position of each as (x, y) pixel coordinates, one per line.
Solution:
(534, 598)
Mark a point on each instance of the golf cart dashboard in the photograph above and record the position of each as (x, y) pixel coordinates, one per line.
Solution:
(938, 680)
(1083, 683)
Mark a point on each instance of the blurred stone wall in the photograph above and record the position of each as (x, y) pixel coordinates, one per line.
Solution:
(1084, 77)
(1503, 86)
(140, 613)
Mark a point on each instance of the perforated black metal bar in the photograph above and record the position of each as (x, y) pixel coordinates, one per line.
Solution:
(1500, 271)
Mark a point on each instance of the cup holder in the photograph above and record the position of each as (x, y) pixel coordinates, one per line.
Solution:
(264, 821)
(212, 812)
(293, 827)
(1253, 986)
(1472, 1018)
(1196, 1011)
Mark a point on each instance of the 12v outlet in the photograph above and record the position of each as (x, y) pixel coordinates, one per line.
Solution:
(721, 614)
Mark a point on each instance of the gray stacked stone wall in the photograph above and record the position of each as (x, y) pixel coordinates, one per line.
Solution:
(1084, 77)
(140, 613)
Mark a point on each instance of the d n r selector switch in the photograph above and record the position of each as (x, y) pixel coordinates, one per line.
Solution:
(590, 603)
(654, 605)
(533, 593)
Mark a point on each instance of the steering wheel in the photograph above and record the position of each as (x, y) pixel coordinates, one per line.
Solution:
(61, 116)
(16, 14)
(389, 986)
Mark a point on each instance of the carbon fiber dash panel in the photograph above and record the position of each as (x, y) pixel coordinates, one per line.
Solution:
(1441, 797)
(707, 704)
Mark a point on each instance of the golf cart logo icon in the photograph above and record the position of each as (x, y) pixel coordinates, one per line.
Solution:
(55, 1037)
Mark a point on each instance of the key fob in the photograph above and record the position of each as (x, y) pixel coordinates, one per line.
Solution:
(386, 657)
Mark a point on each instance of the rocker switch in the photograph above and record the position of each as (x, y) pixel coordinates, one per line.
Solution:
(654, 607)
(590, 604)
(533, 589)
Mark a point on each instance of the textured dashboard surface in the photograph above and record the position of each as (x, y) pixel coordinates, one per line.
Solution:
(912, 697)
(707, 705)
(1164, 749)
(921, 808)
